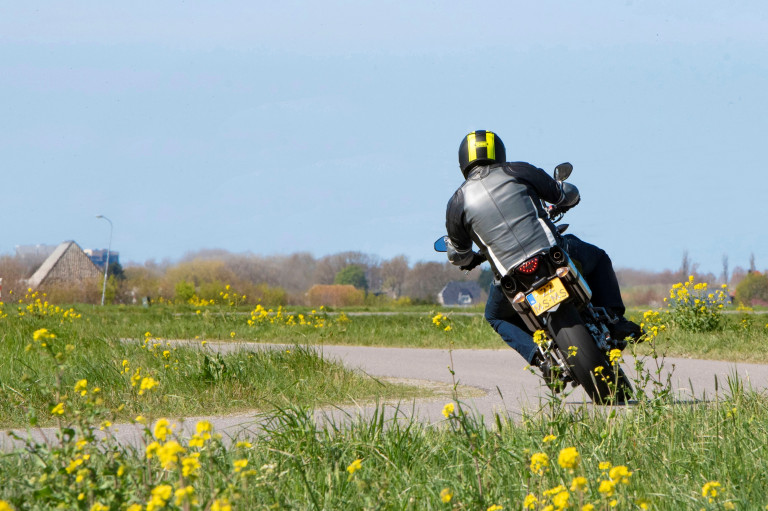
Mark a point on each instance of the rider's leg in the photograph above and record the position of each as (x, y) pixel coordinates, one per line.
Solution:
(508, 324)
(597, 269)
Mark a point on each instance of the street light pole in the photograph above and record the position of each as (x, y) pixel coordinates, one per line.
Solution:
(106, 266)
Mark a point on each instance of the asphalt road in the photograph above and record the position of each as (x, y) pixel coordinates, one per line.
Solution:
(493, 381)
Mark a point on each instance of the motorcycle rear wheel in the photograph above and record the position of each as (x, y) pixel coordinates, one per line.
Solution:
(604, 386)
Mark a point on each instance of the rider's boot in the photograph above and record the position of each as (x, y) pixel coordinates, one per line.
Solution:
(625, 329)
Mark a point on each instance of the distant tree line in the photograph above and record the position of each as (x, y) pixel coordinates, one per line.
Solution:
(288, 279)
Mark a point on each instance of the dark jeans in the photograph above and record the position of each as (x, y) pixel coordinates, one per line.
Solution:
(597, 269)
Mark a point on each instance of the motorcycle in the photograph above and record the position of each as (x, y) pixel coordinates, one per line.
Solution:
(550, 294)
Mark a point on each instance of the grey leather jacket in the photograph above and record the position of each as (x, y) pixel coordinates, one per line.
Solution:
(498, 208)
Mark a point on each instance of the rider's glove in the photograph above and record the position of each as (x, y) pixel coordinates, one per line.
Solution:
(477, 259)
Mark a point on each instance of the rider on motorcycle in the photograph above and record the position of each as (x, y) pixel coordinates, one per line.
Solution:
(498, 208)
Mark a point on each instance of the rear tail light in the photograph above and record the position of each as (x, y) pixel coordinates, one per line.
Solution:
(530, 266)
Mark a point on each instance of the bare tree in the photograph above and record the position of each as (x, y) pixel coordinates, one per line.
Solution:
(393, 274)
(685, 265)
(752, 267)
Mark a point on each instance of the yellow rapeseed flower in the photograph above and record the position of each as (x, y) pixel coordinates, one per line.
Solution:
(183, 495)
(81, 387)
(614, 356)
(446, 495)
(168, 454)
(221, 505)
(98, 506)
(604, 465)
(58, 409)
(43, 334)
(530, 501)
(588, 507)
(355, 466)
(579, 484)
(620, 473)
(539, 463)
(147, 383)
(448, 410)
(549, 438)
(495, 507)
(560, 500)
(540, 337)
(568, 458)
(240, 464)
(190, 465)
(162, 429)
(608, 487)
(710, 490)
(4, 506)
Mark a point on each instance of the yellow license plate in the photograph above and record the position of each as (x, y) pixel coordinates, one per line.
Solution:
(547, 296)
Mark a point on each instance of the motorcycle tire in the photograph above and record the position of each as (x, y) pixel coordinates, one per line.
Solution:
(569, 331)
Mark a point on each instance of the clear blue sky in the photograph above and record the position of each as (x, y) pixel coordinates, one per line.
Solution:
(278, 127)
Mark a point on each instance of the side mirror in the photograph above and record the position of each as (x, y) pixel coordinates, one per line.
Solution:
(440, 244)
(562, 171)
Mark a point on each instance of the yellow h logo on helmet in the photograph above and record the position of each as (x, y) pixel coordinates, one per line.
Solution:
(488, 145)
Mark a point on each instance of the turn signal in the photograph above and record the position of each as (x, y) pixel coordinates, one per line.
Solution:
(562, 271)
(519, 298)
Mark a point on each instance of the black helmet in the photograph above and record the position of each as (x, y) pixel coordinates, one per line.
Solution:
(480, 147)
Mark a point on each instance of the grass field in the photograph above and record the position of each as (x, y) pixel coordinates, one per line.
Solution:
(88, 368)
(743, 336)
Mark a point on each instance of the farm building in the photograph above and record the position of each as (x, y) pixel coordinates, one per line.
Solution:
(67, 264)
(460, 293)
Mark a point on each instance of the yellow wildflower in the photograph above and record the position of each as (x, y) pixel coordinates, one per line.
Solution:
(568, 458)
(549, 438)
(604, 465)
(588, 507)
(710, 490)
(561, 500)
(185, 494)
(4, 506)
(539, 463)
(608, 487)
(81, 387)
(221, 505)
(495, 507)
(620, 473)
(354, 466)
(42, 334)
(162, 429)
(446, 495)
(579, 484)
(530, 501)
(190, 465)
(98, 506)
(58, 409)
(448, 410)
(168, 454)
(614, 356)
(240, 464)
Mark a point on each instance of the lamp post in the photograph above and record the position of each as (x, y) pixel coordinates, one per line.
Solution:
(106, 266)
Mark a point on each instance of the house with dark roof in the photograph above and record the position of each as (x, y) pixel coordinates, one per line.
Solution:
(460, 293)
(67, 264)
